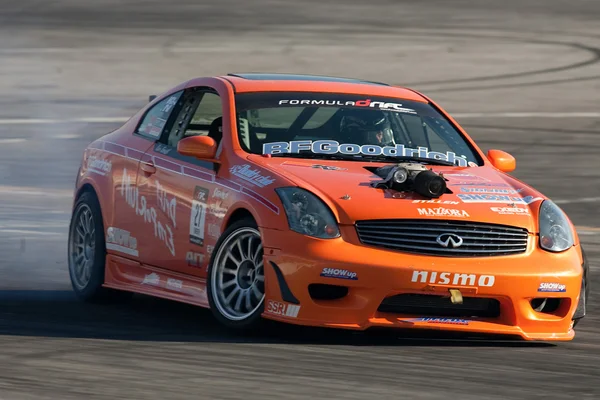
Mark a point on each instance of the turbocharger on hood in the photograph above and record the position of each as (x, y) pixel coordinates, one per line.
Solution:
(411, 177)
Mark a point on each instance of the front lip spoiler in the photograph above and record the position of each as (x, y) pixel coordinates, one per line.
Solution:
(580, 312)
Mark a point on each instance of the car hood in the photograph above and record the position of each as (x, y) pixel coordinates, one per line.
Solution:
(481, 194)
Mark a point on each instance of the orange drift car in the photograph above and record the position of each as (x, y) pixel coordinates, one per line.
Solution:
(321, 201)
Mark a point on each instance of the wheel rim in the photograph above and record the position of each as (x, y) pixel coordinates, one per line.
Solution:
(82, 246)
(237, 278)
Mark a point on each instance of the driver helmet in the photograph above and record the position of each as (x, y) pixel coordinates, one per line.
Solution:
(366, 127)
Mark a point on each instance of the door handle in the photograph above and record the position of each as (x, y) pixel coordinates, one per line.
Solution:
(148, 168)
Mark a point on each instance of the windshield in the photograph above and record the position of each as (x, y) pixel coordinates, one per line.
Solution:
(324, 124)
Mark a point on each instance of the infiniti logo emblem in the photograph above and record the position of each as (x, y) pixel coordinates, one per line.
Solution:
(449, 240)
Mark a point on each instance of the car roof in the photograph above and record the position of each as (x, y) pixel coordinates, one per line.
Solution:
(274, 82)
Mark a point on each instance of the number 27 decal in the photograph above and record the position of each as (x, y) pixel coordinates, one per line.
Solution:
(198, 215)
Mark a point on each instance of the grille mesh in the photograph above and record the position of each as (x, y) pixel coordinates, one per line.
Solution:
(440, 306)
(418, 236)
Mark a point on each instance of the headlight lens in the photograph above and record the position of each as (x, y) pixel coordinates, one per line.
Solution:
(307, 214)
(555, 231)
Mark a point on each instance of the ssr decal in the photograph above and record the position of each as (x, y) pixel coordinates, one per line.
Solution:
(198, 215)
(442, 212)
(552, 287)
(432, 320)
(194, 259)
(282, 309)
(450, 278)
(250, 175)
(138, 202)
(121, 240)
(339, 273)
(493, 198)
(379, 105)
(334, 147)
(98, 166)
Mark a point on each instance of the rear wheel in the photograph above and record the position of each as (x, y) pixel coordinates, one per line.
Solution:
(87, 252)
(236, 282)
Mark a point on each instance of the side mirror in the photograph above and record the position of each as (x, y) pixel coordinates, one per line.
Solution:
(203, 147)
(502, 160)
(151, 98)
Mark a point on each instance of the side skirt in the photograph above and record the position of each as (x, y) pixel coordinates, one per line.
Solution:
(131, 276)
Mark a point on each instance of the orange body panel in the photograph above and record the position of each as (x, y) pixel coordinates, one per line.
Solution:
(151, 196)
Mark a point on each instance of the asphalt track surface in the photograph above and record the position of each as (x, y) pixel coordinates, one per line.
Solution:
(523, 76)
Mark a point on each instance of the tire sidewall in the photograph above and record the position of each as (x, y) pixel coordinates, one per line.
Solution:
(255, 318)
(96, 281)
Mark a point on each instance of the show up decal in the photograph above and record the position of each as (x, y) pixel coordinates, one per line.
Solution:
(198, 215)
(334, 147)
(121, 240)
(163, 230)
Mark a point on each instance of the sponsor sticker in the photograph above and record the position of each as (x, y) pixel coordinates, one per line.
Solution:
(282, 309)
(339, 273)
(194, 259)
(553, 287)
(442, 212)
(151, 279)
(510, 210)
(174, 284)
(489, 190)
(121, 240)
(334, 147)
(328, 167)
(250, 175)
(436, 201)
(198, 215)
(98, 166)
(220, 194)
(495, 198)
(432, 320)
(453, 278)
(366, 103)
(214, 230)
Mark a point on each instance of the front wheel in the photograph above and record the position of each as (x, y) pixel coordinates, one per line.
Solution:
(236, 280)
(87, 252)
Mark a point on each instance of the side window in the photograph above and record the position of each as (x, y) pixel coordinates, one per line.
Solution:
(201, 115)
(155, 120)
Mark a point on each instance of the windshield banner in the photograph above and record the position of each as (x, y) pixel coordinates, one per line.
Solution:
(333, 147)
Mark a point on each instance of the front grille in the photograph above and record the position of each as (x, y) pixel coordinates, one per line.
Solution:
(418, 236)
(440, 306)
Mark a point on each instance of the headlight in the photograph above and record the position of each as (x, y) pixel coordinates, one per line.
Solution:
(555, 231)
(307, 214)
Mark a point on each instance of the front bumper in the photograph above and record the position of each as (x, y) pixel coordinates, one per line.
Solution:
(295, 263)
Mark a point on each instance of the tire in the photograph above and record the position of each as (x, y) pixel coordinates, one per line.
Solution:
(87, 252)
(234, 268)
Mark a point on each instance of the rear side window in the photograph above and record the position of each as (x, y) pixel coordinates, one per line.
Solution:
(156, 118)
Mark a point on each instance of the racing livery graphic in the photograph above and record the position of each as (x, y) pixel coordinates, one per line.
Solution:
(322, 202)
